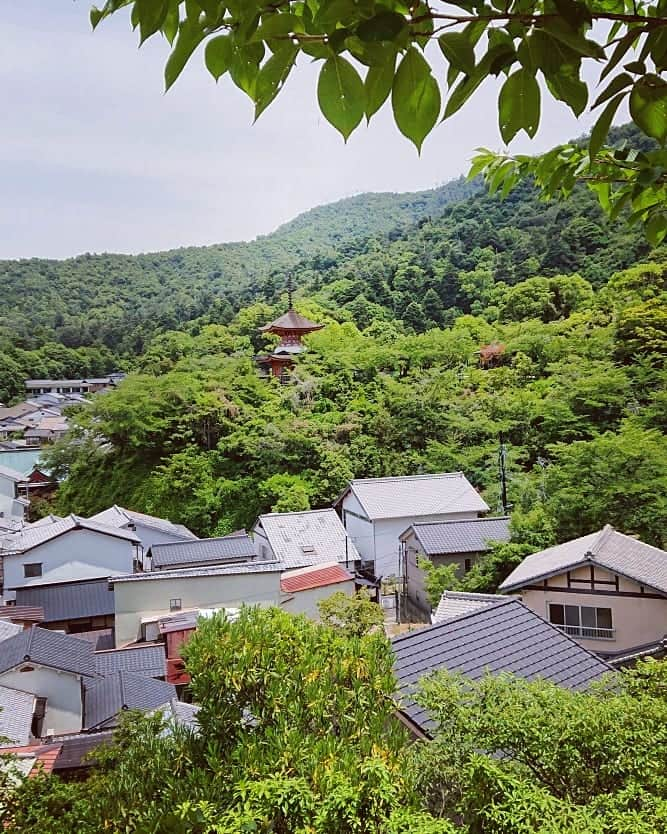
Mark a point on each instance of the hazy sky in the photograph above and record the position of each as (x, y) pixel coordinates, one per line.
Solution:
(94, 157)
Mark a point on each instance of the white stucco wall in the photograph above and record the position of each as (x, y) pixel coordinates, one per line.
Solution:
(377, 541)
(150, 598)
(7, 487)
(637, 620)
(415, 575)
(75, 555)
(305, 602)
(64, 707)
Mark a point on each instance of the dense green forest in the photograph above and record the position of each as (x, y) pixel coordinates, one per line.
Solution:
(411, 288)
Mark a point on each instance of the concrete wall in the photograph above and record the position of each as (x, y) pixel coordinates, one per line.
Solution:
(7, 487)
(305, 602)
(377, 541)
(150, 598)
(77, 554)
(64, 707)
(636, 619)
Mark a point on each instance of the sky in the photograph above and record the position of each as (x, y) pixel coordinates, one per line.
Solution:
(94, 157)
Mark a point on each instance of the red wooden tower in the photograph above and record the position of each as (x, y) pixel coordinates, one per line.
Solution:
(291, 327)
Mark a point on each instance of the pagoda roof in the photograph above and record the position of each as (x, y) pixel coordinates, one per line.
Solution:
(291, 321)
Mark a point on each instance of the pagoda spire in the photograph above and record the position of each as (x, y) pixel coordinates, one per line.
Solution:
(290, 290)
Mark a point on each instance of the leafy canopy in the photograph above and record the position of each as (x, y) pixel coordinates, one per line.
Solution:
(372, 52)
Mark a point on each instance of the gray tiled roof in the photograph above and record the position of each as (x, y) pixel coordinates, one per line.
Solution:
(120, 516)
(237, 547)
(473, 536)
(11, 474)
(214, 570)
(455, 603)
(507, 637)
(70, 600)
(417, 495)
(30, 537)
(48, 648)
(119, 691)
(16, 709)
(607, 548)
(140, 660)
(9, 629)
(301, 539)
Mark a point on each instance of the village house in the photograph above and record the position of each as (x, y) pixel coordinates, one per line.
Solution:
(459, 543)
(304, 538)
(69, 550)
(150, 529)
(503, 636)
(375, 511)
(71, 607)
(12, 504)
(71, 386)
(606, 590)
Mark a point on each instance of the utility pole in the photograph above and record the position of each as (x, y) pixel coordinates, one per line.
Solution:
(502, 465)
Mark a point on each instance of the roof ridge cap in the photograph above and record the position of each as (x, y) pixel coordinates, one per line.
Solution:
(423, 475)
(461, 520)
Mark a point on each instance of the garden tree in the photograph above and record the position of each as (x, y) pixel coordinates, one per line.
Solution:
(514, 756)
(618, 478)
(371, 52)
(353, 615)
(438, 579)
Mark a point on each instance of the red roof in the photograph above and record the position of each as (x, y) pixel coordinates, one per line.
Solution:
(45, 756)
(22, 613)
(317, 578)
(291, 321)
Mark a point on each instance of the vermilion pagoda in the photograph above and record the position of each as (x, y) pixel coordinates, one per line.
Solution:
(291, 327)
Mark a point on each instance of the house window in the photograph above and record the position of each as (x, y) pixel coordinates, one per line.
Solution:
(582, 621)
(467, 565)
(32, 569)
(174, 604)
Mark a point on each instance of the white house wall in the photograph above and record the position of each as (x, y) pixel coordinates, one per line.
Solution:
(378, 541)
(75, 555)
(139, 600)
(64, 708)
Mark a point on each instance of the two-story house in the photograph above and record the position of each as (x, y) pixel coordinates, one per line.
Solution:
(12, 505)
(375, 511)
(71, 549)
(150, 529)
(459, 543)
(606, 590)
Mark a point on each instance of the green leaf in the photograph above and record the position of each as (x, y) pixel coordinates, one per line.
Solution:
(151, 14)
(272, 76)
(218, 55)
(378, 84)
(340, 93)
(519, 105)
(656, 228)
(458, 50)
(621, 48)
(244, 67)
(467, 86)
(386, 26)
(274, 25)
(415, 97)
(575, 40)
(568, 88)
(618, 83)
(648, 106)
(189, 37)
(601, 127)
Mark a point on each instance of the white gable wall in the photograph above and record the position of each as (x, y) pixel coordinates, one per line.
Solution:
(305, 602)
(377, 541)
(97, 554)
(64, 707)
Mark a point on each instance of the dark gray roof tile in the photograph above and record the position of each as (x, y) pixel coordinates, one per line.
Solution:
(70, 600)
(471, 536)
(48, 648)
(505, 637)
(105, 698)
(140, 660)
(218, 551)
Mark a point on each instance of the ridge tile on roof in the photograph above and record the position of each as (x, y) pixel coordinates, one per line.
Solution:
(417, 495)
(465, 536)
(223, 549)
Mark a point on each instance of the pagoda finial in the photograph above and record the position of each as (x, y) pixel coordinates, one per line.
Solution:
(289, 292)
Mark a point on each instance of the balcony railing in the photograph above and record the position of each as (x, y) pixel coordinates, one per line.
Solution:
(588, 633)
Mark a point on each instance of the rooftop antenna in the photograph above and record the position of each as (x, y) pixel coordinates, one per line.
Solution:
(290, 289)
